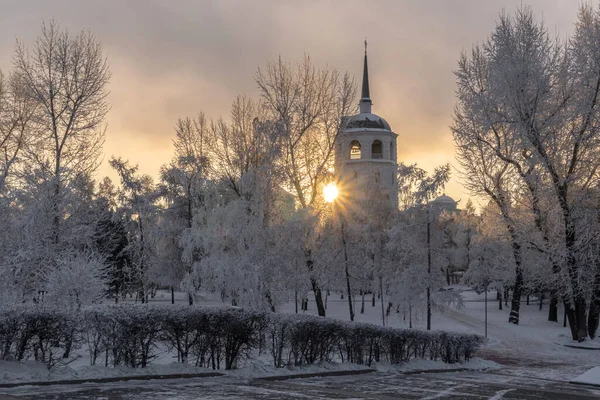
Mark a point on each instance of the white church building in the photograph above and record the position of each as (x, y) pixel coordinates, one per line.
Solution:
(366, 153)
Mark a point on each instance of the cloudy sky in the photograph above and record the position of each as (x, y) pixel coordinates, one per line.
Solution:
(173, 58)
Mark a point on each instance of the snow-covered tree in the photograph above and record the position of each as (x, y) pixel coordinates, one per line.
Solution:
(77, 280)
(529, 104)
(414, 240)
(66, 76)
(307, 104)
(137, 198)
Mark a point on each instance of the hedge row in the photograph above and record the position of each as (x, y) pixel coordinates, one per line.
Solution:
(216, 338)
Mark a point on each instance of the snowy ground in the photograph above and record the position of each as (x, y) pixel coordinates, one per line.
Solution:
(534, 349)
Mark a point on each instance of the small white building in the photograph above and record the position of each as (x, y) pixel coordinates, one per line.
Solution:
(366, 154)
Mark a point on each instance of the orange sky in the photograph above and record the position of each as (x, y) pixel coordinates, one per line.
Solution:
(171, 59)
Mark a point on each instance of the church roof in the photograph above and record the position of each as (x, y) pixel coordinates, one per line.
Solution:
(367, 121)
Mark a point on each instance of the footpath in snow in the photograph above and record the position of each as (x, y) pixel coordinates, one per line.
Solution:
(591, 377)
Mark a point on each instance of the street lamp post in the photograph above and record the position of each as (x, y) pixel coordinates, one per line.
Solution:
(486, 288)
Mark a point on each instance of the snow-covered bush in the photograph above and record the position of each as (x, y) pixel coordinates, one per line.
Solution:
(232, 334)
(304, 339)
(11, 324)
(312, 340)
(127, 334)
(38, 332)
(131, 334)
(182, 330)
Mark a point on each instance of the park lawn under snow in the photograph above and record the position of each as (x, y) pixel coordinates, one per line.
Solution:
(533, 348)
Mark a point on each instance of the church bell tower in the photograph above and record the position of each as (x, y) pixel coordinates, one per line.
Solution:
(365, 155)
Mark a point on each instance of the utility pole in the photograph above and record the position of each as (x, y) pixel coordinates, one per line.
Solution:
(382, 308)
(428, 270)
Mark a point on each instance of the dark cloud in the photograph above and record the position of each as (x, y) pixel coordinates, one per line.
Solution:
(175, 58)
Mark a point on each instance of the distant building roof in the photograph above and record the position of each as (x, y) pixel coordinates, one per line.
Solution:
(443, 199)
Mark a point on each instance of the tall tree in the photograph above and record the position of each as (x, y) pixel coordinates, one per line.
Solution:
(416, 189)
(67, 77)
(307, 103)
(137, 198)
(532, 104)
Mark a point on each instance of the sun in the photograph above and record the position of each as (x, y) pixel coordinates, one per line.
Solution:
(330, 192)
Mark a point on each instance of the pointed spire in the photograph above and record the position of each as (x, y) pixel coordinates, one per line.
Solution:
(365, 100)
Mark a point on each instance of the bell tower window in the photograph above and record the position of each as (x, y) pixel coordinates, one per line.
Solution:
(355, 153)
(376, 149)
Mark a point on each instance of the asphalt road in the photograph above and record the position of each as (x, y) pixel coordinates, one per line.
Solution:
(379, 385)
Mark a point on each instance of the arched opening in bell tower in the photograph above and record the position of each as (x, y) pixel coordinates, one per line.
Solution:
(355, 151)
(377, 149)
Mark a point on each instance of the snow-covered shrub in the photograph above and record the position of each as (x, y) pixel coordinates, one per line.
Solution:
(11, 324)
(227, 335)
(128, 334)
(313, 340)
(141, 331)
(182, 329)
(38, 332)
(361, 343)
(278, 333)
(306, 339)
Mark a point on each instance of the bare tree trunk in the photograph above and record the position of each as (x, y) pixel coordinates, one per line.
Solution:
(518, 287)
(347, 272)
(172, 295)
(594, 313)
(362, 307)
(315, 285)
(570, 318)
(553, 308)
(499, 295)
(594, 317)
(318, 297)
